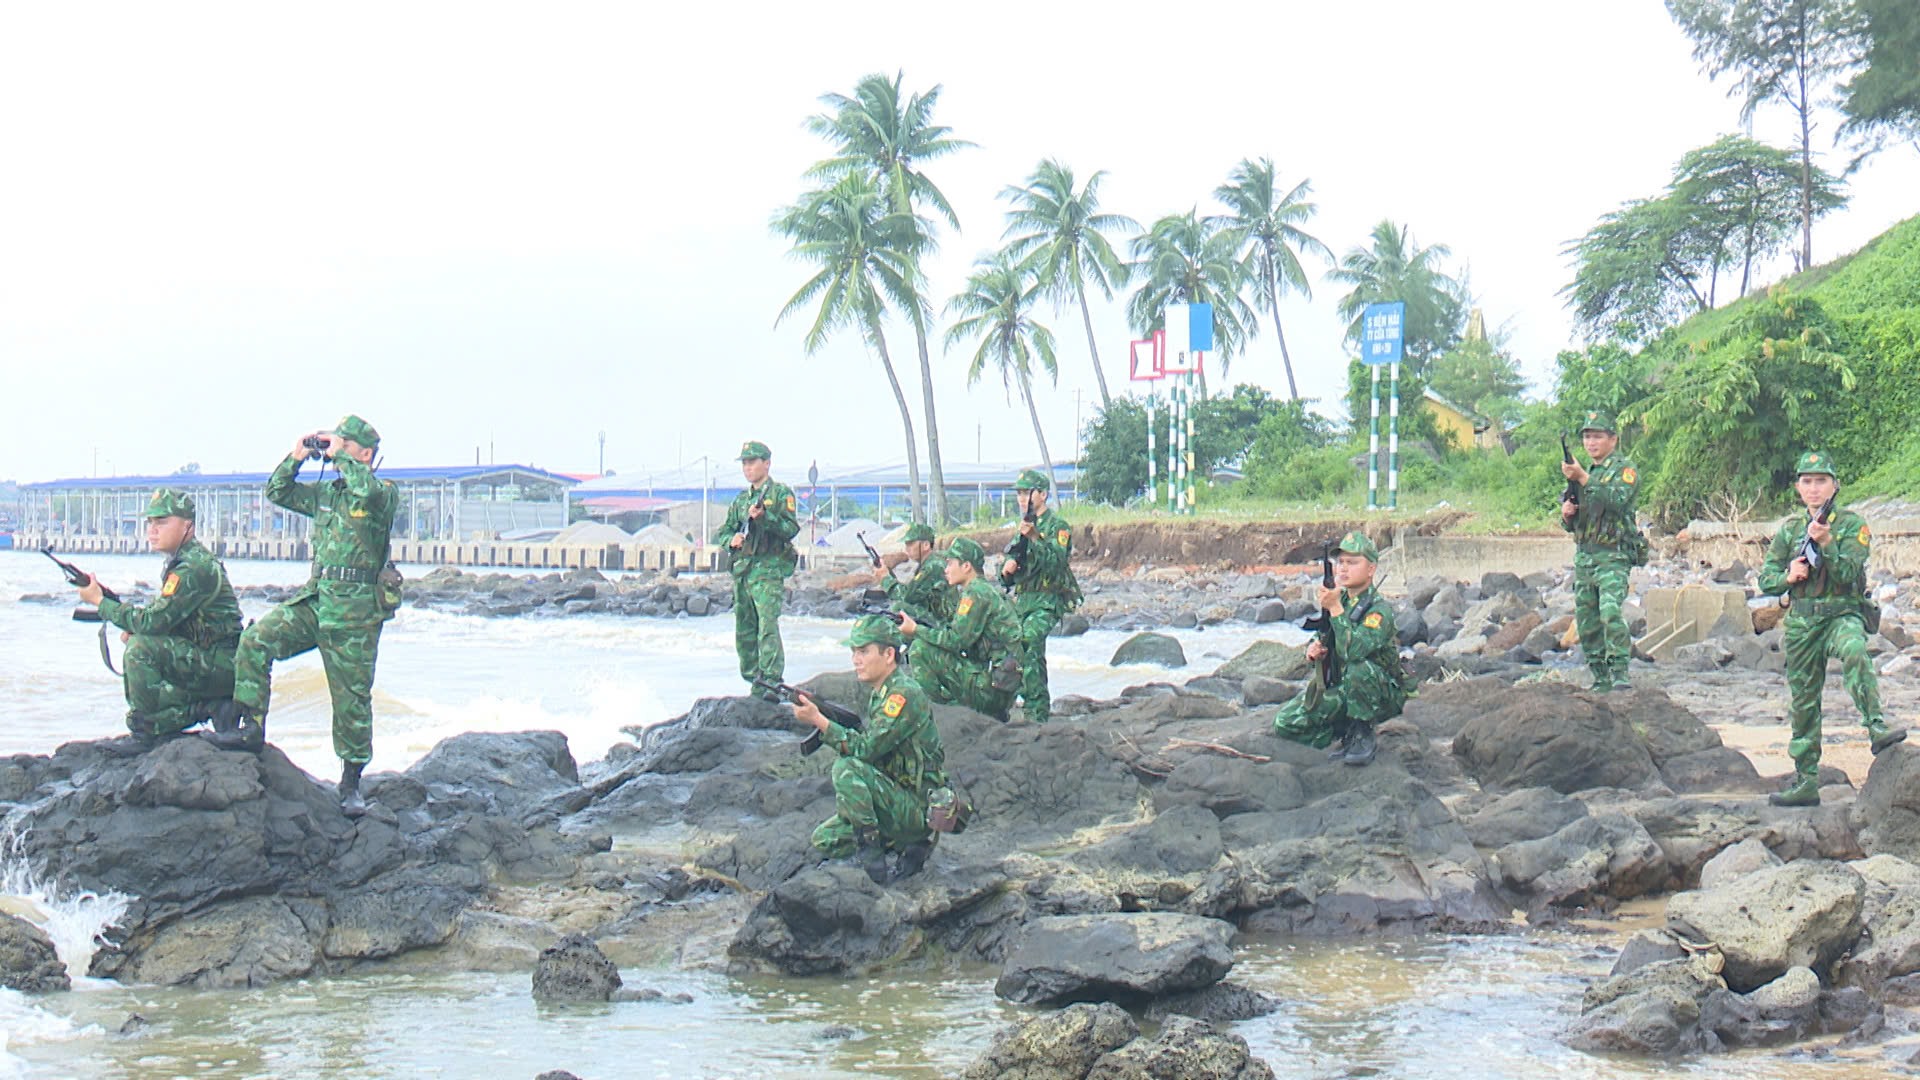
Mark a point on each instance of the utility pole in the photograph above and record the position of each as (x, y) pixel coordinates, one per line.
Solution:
(603, 454)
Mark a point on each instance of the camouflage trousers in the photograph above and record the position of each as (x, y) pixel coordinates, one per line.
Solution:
(170, 682)
(866, 798)
(1318, 716)
(348, 654)
(950, 679)
(1039, 613)
(757, 595)
(1599, 591)
(1809, 643)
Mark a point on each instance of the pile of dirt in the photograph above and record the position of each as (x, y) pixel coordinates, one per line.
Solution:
(1220, 543)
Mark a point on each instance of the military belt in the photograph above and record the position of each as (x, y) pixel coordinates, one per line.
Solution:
(1826, 606)
(345, 573)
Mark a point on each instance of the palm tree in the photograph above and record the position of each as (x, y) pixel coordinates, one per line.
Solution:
(997, 307)
(1266, 228)
(1061, 235)
(860, 247)
(878, 133)
(1397, 268)
(1184, 260)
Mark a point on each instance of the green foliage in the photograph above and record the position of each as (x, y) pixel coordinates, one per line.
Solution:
(1393, 268)
(1113, 465)
(1225, 429)
(1416, 420)
(1882, 100)
(1318, 475)
(1478, 376)
(1608, 377)
(1185, 260)
(1265, 224)
(997, 307)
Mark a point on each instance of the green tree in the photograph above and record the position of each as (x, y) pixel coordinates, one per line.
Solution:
(884, 133)
(1113, 463)
(1061, 234)
(1185, 260)
(1393, 268)
(1637, 270)
(1479, 375)
(1789, 51)
(1882, 100)
(997, 307)
(865, 266)
(1265, 226)
(1224, 427)
(1742, 196)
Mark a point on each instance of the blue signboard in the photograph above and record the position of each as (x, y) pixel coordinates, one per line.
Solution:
(1383, 333)
(1200, 327)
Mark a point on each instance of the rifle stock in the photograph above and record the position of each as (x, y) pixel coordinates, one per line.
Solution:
(839, 714)
(1328, 669)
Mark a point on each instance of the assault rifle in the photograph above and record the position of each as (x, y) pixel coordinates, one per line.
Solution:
(839, 714)
(1809, 550)
(1322, 625)
(872, 555)
(79, 578)
(1572, 494)
(1017, 547)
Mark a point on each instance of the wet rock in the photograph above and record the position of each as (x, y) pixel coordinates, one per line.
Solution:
(1654, 1010)
(1270, 612)
(1187, 1049)
(1060, 1045)
(1072, 625)
(1890, 948)
(830, 919)
(515, 772)
(1183, 840)
(1484, 618)
(250, 942)
(1271, 659)
(1543, 735)
(1221, 1003)
(1228, 786)
(1527, 814)
(556, 1074)
(1803, 914)
(1592, 859)
(1260, 690)
(1150, 648)
(1121, 956)
(1746, 857)
(574, 969)
(1888, 809)
(28, 962)
(1647, 947)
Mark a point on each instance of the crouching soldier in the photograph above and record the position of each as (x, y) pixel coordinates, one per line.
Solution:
(1358, 683)
(886, 772)
(974, 660)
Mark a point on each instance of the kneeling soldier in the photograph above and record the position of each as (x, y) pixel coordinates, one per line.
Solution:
(1822, 568)
(974, 660)
(179, 657)
(1367, 645)
(928, 597)
(883, 777)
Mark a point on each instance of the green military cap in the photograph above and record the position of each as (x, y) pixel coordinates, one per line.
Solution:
(1356, 543)
(167, 502)
(755, 450)
(1813, 461)
(1596, 420)
(874, 630)
(1031, 480)
(917, 531)
(358, 430)
(968, 551)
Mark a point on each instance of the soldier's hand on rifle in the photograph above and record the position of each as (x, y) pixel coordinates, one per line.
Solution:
(90, 593)
(1315, 650)
(125, 636)
(1568, 509)
(1330, 599)
(736, 541)
(1027, 529)
(907, 625)
(807, 712)
(1009, 567)
(1819, 532)
(1798, 571)
(1572, 471)
(756, 511)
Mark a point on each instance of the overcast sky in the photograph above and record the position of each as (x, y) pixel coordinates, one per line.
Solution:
(508, 228)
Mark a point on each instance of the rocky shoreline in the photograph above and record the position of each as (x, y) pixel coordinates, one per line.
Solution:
(1117, 852)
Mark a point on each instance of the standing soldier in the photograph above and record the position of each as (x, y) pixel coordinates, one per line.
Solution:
(342, 607)
(179, 657)
(973, 660)
(886, 772)
(1821, 566)
(1037, 570)
(759, 531)
(1607, 539)
(1366, 654)
(928, 597)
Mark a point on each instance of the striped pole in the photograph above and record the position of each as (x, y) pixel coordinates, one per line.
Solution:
(1393, 444)
(1153, 493)
(1373, 442)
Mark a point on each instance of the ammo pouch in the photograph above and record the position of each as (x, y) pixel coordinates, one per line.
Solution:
(388, 587)
(948, 809)
(1005, 674)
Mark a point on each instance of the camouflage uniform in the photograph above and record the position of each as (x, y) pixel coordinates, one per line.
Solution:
(1604, 531)
(884, 774)
(1370, 688)
(1044, 590)
(179, 661)
(1824, 620)
(338, 610)
(928, 597)
(761, 567)
(958, 663)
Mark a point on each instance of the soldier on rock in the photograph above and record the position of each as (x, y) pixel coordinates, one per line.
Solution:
(1608, 545)
(1370, 687)
(974, 658)
(1038, 570)
(928, 597)
(759, 531)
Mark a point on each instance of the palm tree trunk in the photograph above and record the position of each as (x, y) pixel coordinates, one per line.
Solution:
(1273, 296)
(1046, 459)
(937, 479)
(1093, 349)
(906, 414)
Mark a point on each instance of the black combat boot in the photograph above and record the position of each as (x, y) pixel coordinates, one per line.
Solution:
(138, 740)
(1339, 751)
(224, 716)
(1364, 746)
(872, 854)
(351, 803)
(912, 860)
(248, 733)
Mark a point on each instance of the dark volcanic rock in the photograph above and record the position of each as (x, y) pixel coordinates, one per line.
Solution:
(1121, 957)
(1060, 1045)
(28, 962)
(1653, 1010)
(1550, 736)
(1186, 1049)
(1150, 648)
(1803, 914)
(574, 969)
(1221, 1003)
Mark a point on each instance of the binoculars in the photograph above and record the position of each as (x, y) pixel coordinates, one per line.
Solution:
(315, 443)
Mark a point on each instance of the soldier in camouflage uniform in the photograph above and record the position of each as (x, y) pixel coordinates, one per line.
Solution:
(885, 773)
(179, 659)
(1825, 619)
(928, 597)
(759, 531)
(1605, 534)
(342, 607)
(973, 660)
(1044, 589)
(1370, 687)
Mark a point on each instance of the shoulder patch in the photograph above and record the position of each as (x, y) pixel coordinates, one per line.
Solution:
(790, 504)
(356, 512)
(172, 585)
(1630, 476)
(966, 605)
(894, 704)
(1372, 621)
(1063, 536)
(1863, 533)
